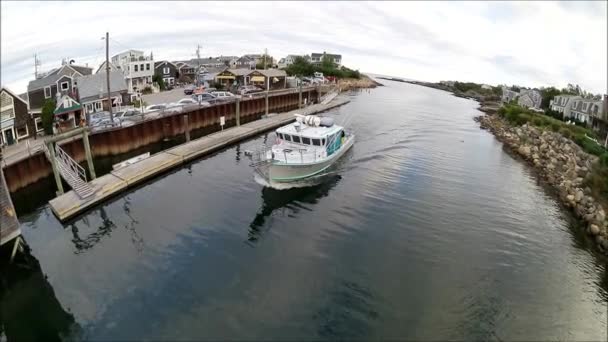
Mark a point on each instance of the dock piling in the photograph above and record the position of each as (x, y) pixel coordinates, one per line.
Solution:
(238, 111)
(266, 103)
(186, 126)
(87, 152)
(53, 161)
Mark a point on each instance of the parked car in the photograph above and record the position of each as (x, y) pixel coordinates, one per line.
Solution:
(186, 101)
(127, 114)
(223, 94)
(156, 107)
(249, 89)
(189, 90)
(206, 97)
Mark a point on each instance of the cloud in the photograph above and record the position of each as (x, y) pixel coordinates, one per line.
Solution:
(526, 43)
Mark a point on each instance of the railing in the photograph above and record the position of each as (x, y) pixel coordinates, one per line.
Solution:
(70, 163)
(288, 155)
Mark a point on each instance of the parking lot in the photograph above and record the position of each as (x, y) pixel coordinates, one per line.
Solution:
(168, 96)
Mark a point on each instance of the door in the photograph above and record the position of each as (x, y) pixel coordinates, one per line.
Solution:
(10, 138)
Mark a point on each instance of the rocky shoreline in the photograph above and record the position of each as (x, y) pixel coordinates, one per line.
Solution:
(361, 83)
(560, 162)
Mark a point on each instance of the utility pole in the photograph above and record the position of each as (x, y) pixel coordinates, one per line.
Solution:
(265, 53)
(198, 59)
(108, 76)
(36, 65)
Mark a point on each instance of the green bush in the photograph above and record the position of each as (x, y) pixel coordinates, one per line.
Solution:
(555, 126)
(565, 132)
(47, 115)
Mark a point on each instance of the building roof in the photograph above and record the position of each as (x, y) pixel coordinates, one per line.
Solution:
(157, 64)
(253, 55)
(61, 108)
(84, 70)
(93, 85)
(240, 71)
(271, 72)
(102, 67)
(18, 97)
(324, 53)
(53, 76)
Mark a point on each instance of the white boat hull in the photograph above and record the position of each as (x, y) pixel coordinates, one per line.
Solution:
(290, 172)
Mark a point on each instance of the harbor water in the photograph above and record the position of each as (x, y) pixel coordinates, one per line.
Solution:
(426, 230)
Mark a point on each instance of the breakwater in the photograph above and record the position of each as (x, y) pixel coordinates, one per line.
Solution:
(562, 164)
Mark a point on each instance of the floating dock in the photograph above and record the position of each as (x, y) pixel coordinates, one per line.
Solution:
(70, 204)
(9, 224)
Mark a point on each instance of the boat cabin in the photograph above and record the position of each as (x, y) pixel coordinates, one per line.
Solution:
(299, 143)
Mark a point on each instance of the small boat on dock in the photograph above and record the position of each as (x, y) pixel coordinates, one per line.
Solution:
(303, 149)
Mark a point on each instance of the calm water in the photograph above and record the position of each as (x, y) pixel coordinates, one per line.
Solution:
(428, 230)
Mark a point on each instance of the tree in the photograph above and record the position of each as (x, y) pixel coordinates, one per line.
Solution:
(300, 67)
(48, 114)
(159, 80)
(547, 95)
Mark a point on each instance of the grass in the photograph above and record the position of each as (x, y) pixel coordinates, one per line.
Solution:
(598, 180)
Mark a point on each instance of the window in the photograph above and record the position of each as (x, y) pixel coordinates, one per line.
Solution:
(47, 92)
(280, 136)
(165, 70)
(148, 66)
(316, 142)
(305, 141)
(287, 137)
(585, 106)
(323, 142)
(296, 139)
(141, 67)
(98, 106)
(38, 124)
(135, 66)
(22, 132)
(65, 85)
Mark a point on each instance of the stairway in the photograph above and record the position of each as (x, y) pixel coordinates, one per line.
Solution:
(71, 172)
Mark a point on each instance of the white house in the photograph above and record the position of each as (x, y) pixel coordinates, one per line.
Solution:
(486, 86)
(137, 68)
(508, 95)
(563, 104)
(317, 58)
(289, 60)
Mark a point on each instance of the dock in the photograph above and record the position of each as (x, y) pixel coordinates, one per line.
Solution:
(9, 224)
(71, 204)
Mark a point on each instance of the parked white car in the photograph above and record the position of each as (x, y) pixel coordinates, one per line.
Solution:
(223, 94)
(156, 107)
(186, 101)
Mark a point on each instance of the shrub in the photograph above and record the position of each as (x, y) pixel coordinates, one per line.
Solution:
(47, 115)
(555, 126)
(565, 132)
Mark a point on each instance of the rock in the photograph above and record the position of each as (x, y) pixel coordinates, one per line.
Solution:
(570, 198)
(578, 196)
(524, 151)
(600, 215)
(594, 229)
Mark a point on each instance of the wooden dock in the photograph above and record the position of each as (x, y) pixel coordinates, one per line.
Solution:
(70, 204)
(9, 225)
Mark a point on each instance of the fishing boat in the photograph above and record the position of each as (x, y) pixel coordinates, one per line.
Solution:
(303, 149)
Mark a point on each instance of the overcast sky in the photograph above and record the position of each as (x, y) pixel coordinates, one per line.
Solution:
(524, 43)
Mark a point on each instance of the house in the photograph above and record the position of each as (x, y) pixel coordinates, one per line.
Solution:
(508, 95)
(563, 104)
(271, 79)
(529, 98)
(207, 75)
(588, 111)
(15, 121)
(230, 77)
(136, 67)
(102, 68)
(57, 81)
(255, 57)
(317, 58)
(68, 113)
(167, 71)
(486, 86)
(93, 91)
(287, 61)
(243, 63)
(208, 62)
(187, 72)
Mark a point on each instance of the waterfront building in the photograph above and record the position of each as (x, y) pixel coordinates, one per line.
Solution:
(167, 71)
(93, 91)
(317, 58)
(137, 69)
(15, 121)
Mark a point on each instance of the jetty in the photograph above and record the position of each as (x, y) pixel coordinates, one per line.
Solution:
(70, 204)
